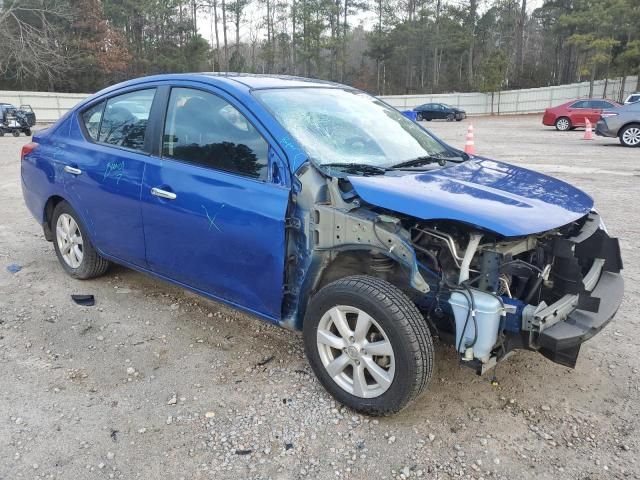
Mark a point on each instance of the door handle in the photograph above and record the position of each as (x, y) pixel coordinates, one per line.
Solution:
(163, 193)
(72, 170)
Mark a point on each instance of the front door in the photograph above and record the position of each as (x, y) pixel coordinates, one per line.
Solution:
(213, 220)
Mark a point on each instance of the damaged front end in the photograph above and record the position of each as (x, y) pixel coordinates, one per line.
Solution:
(548, 292)
(485, 293)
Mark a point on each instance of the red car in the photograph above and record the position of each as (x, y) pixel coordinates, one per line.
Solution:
(572, 114)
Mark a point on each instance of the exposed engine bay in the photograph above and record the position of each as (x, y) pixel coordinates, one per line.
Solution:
(503, 293)
(484, 293)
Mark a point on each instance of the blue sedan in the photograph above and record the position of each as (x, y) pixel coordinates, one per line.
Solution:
(320, 208)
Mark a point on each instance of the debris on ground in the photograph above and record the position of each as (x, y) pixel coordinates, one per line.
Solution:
(14, 268)
(84, 300)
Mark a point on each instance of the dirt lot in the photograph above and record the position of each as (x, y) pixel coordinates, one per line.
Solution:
(154, 382)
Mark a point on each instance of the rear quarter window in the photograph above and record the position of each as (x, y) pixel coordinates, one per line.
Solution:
(91, 119)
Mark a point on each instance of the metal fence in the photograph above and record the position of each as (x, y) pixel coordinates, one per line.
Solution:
(51, 106)
(508, 102)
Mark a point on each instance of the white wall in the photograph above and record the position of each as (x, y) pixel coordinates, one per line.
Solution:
(47, 106)
(51, 106)
(531, 100)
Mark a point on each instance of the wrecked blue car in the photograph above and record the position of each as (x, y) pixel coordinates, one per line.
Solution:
(318, 207)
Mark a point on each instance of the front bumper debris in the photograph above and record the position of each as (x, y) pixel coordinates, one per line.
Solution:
(588, 303)
(561, 342)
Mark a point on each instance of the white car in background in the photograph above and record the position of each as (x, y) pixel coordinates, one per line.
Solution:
(633, 98)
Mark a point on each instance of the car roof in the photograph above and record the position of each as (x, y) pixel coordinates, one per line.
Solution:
(244, 81)
(256, 81)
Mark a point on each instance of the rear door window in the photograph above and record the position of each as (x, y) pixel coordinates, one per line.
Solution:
(125, 118)
(600, 104)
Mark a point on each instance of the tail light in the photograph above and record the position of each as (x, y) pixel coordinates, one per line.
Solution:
(28, 148)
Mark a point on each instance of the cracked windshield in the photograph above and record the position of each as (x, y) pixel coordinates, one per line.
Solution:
(337, 126)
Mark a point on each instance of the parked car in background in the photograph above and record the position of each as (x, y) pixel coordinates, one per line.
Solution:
(439, 111)
(15, 120)
(320, 208)
(572, 114)
(633, 98)
(622, 122)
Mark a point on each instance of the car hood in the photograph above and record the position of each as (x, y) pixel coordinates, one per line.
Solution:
(496, 196)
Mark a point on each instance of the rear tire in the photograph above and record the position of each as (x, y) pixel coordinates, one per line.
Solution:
(74, 250)
(630, 135)
(378, 368)
(563, 124)
(16, 133)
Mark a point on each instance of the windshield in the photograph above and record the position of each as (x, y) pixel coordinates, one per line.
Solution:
(337, 126)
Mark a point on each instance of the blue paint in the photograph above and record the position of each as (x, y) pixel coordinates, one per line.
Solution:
(14, 268)
(212, 220)
(513, 321)
(496, 196)
(224, 235)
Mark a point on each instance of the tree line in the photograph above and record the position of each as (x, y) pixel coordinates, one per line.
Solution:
(382, 46)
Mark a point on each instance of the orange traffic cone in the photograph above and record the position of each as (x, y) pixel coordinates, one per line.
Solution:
(469, 146)
(588, 133)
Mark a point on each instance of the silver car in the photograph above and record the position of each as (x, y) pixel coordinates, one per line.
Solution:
(622, 122)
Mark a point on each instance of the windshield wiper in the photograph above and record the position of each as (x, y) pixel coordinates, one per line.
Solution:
(357, 167)
(426, 159)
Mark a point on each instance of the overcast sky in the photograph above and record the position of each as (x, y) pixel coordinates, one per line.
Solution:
(253, 18)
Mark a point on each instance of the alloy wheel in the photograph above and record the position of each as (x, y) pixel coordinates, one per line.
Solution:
(69, 240)
(355, 351)
(563, 124)
(631, 136)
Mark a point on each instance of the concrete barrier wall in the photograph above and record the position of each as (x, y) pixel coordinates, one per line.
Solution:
(50, 106)
(531, 100)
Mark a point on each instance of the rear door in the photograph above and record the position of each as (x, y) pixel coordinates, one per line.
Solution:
(214, 219)
(103, 163)
(597, 106)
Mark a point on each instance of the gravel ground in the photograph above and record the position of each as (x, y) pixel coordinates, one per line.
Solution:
(154, 382)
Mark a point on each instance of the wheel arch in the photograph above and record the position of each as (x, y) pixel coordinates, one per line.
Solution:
(47, 215)
(346, 261)
(628, 124)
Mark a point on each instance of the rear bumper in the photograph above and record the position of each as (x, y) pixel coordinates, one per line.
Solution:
(549, 119)
(561, 342)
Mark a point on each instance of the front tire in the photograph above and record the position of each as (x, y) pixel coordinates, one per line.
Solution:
(451, 117)
(368, 344)
(630, 135)
(563, 124)
(74, 250)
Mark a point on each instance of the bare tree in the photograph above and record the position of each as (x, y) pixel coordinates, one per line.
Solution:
(29, 33)
(224, 36)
